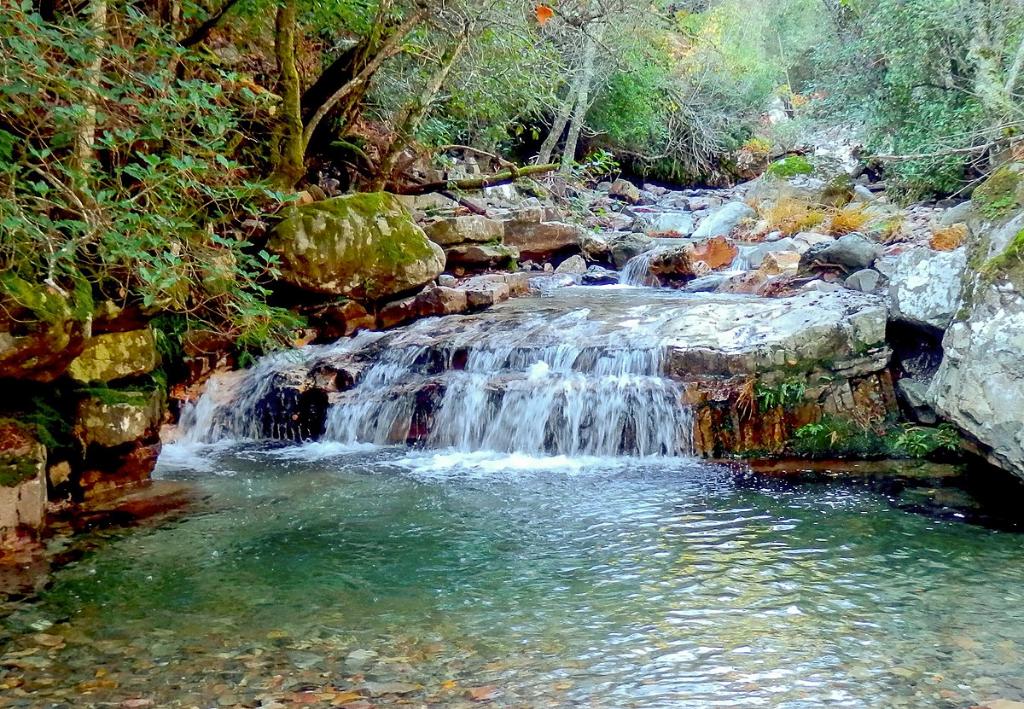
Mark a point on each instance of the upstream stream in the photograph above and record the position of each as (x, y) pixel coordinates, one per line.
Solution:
(549, 542)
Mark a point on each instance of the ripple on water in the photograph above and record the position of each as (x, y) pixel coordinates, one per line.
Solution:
(560, 582)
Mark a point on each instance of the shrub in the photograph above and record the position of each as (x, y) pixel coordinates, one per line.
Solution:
(792, 166)
(848, 220)
(792, 216)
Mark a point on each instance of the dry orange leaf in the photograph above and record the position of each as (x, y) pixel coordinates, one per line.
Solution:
(544, 13)
(482, 694)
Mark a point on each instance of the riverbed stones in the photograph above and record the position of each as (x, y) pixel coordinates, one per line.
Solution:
(574, 265)
(363, 246)
(116, 355)
(724, 221)
(866, 280)
(925, 286)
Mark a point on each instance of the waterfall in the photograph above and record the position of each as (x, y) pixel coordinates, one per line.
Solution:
(637, 271)
(528, 382)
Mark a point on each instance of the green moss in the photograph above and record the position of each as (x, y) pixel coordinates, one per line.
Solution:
(17, 438)
(1000, 194)
(1008, 263)
(45, 303)
(790, 167)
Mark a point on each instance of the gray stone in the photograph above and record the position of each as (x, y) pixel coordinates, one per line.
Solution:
(676, 223)
(626, 191)
(541, 241)
(463, 229)
(574, 265)
(925, 286)
(480, 256)
(595, 248)
(914, 395)
(625, 247)
(723, 221)
(980, 384)
(852, 252)
(755, 255)
(959, 214)
(866, 280)
(599, 277)
(447, 280)
(22, 479)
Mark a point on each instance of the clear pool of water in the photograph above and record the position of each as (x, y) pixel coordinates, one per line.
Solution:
(386, 577)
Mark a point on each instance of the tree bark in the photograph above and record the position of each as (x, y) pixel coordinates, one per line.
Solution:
(413, 114)
(290, 165)
(85, 137)
(582, 103)
(202, 32)
(477, 183)
(547, 148)
(390, 47)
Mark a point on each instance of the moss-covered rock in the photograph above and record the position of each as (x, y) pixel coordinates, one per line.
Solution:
(790, 167)
(22, 478)
(112, 417)
(42, 328)
(116, 355)
(363, 246)
(1002, 193)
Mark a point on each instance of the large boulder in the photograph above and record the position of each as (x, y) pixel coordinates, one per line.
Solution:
(42, 328)
(545, 240)
(980, 383)
(925, 286)
(851, 252)
(363, 246)
(724, 221)
(22, 479)
(717, 252)
(116, 355)
(468, 228)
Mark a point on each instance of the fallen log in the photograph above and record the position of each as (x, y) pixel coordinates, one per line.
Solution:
(477, 183)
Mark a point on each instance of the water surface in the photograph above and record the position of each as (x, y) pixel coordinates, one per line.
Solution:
(432, 578)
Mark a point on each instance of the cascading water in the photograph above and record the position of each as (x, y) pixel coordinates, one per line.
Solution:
(637, 271)
(512, 381)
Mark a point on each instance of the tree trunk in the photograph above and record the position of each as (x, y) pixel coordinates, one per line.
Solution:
(290, 161)
(477, 183)
(413, 114)
(582, 103)
(547, 148)
(390, 47)
(85, 137)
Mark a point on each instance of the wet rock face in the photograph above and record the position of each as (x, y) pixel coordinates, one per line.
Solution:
(116, 355)
(362, 246)
(980, 383)
(625, 247)
(22, 480)
(925, 286)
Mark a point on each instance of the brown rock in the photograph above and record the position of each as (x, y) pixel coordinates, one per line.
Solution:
(777, 263)
(718, 252)
(460, 230)
(439, 300)
(541, 242)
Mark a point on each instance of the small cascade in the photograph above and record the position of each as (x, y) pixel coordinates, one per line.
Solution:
(742, 260)
(637, 271)
(524, 383)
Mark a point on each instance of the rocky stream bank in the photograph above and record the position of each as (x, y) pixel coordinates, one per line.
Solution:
(824, 322)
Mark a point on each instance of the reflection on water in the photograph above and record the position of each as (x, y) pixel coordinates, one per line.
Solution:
(440, 579)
